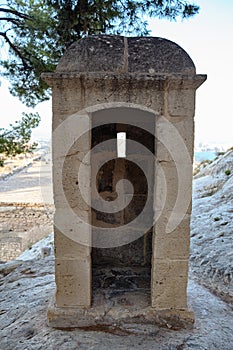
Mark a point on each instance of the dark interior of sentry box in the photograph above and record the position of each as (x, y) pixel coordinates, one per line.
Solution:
(126, 269)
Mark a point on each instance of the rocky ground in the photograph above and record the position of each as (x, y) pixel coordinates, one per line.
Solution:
(22, 217)
(27, 289)
(211, 259)
(27, 286)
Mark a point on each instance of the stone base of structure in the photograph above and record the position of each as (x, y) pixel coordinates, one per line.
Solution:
(71, 317)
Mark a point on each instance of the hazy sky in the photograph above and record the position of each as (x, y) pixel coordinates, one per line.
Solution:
(207, 38)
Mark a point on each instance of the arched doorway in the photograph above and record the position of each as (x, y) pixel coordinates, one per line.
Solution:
(123, 147)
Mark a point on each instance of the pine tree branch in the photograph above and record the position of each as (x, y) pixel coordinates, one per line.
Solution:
(15, 49)
(15, 13)
(12, 20)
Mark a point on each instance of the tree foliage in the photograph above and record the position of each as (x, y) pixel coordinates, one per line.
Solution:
(15, 139)
(38, 31)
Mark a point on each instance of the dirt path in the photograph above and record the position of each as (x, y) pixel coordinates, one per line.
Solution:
(26, 208)
(31, 185)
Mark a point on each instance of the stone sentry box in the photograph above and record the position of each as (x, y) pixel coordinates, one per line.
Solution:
(115, 262)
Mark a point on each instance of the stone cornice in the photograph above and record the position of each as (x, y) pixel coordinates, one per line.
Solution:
(172, 81)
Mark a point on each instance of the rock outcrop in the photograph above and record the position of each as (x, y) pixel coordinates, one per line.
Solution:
(27, 286)
(211, 257)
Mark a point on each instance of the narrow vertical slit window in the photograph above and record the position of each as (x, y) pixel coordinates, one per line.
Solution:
(121, 144)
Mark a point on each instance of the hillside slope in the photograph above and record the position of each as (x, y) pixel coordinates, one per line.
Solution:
(211, 259)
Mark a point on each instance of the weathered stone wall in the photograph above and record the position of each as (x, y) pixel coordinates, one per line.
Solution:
(10, 247)
(21, 226)
(110, 77)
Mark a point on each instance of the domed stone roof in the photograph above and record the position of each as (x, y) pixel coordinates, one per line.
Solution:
(118, 54)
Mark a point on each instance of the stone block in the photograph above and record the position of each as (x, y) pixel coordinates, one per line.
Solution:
(74, 198)
(135, 210)
(73, 280)
(68, 248)
(143, 139)
(135, 253)
(175, 139)
(140, 172)
(171, 245)
(117, 237)
(181, 102)
(173, 187)
(74, 224)
(69, 176)
(169, 284)
(67, 137)
(101, 219)
(102, 173)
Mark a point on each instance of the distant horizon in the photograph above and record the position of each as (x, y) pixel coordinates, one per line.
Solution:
(222, 146)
